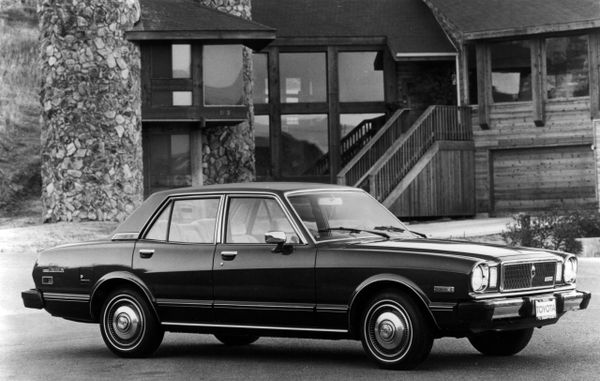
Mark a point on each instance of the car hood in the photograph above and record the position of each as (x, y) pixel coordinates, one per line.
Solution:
(471, 250)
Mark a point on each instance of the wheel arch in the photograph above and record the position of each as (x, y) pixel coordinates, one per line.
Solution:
(375, 284)
(112, 281)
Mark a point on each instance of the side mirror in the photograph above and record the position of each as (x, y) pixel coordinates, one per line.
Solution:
(280, 239)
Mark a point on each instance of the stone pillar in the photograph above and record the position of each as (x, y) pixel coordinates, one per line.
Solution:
(228, 151)
(91, 133)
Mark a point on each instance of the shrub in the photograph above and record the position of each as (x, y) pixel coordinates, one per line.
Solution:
(555, 230)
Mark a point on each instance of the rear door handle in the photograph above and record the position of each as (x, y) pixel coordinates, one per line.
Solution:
(146, 253)
(228, 255)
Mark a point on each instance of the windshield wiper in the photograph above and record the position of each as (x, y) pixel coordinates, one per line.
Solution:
(356, 231)
(390, 229)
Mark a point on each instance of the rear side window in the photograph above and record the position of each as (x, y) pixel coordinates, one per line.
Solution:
(191, 221)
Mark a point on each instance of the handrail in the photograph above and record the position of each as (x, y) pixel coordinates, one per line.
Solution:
(352, 142)
(436, 123)
(353, 173)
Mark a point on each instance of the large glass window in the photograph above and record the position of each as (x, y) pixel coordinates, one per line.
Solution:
(511, 71)
(305, 144)
(223, 75)
(181, 60)
(303, 77)
(262, 145)
(169, 158)
(260, 78)
(567, 73)
(360, 77)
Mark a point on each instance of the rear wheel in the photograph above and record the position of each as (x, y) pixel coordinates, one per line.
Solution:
(504, 343)
(234, 340)
(129, 327)
(394, 331)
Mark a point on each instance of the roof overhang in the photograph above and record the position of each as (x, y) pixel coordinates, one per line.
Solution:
(253, 39)
(530, 30)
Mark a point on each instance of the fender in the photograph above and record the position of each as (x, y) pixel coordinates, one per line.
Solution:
(126, 276)
(394, 278)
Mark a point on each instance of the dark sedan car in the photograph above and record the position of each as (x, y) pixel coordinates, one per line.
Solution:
(303, 260)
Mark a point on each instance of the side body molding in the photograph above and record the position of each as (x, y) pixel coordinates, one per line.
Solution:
(387, 278)
(127, 277)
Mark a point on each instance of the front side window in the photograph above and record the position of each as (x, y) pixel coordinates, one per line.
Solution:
(248, 219)
(567, 73)
(303, 77)
(194, 221)
(511, 71)
(223, 75)
(343, 215)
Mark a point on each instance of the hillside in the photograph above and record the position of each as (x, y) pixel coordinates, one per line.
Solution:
(20, 182)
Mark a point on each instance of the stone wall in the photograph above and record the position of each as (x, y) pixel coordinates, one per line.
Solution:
(91, 133)
(228, 151)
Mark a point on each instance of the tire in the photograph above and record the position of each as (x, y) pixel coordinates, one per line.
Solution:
(394, 332)
(129, 327)
(235, 340)
(504, 343)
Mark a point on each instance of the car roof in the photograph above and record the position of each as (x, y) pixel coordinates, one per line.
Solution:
(135, 222)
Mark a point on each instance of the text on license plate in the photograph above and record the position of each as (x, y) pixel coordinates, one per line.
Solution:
(545, 309)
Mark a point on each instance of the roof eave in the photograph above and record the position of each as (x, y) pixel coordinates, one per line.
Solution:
(531, 30)
(251, 38)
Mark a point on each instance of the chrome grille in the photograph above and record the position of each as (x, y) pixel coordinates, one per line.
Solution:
(518, 276)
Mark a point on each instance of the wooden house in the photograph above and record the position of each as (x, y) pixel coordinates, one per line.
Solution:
(437, 107)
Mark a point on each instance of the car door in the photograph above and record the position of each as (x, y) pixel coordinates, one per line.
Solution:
(253, 284)
(175, 259)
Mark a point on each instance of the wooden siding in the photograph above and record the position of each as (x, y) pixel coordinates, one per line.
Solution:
(568, 128)
(444, 187)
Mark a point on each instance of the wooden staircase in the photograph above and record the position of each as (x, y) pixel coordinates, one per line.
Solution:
(426, 171)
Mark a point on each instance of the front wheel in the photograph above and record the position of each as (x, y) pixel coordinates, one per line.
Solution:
(129, 328)
(394, 331)
(504, 343)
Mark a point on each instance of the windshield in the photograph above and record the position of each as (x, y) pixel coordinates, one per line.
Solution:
(346, 214)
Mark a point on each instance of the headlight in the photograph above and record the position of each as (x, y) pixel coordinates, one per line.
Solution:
(570, 270)
(479, 277)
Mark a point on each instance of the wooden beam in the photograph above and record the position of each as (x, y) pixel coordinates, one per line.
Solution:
(538, 80)
(275, 139)
(334, 113)
(528, 31)
(484, 84)
(594, 73)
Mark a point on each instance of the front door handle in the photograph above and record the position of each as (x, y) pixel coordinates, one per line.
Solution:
(228, 255)
(146, 253)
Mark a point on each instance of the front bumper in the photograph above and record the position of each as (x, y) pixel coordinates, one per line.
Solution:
(516, 312)
(33, 299)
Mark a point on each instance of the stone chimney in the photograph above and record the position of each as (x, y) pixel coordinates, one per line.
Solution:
(91, 132)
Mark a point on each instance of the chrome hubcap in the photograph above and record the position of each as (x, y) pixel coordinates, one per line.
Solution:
(126, 322)
(389, 330)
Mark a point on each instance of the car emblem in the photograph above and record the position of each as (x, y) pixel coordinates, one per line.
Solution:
(532, 271)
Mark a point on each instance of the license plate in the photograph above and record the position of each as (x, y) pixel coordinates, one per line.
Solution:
(545, 309)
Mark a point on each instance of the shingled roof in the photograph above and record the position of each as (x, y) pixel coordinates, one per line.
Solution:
(187, 19)
(480, 19)
(408, 27)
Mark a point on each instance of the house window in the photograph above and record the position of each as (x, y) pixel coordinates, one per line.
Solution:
(305, 144)
(360, 77)
(223, 75)
(472, 73)
(260, 78)
(303, 77)
(262, 145)
(169, 158)
(511, 71)
(181, 60)
(567, 73)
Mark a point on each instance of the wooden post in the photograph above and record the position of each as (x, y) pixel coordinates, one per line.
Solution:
(196, 156)
(334, 113)
(484, 84)
(594, 73)
(275, 140)
(538, 83)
